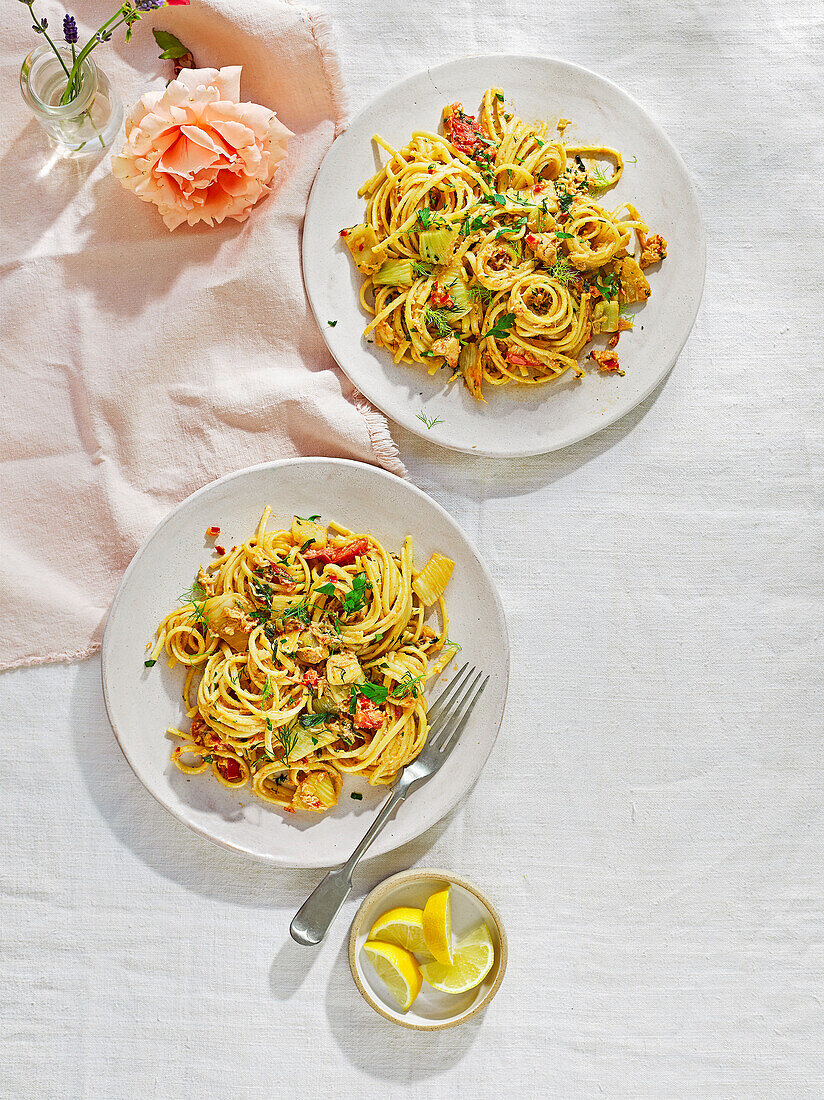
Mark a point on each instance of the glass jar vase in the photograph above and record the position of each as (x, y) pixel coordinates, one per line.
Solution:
(85, 125)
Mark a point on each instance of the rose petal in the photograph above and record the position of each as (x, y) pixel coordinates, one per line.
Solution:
(225, 82)
(196, 153)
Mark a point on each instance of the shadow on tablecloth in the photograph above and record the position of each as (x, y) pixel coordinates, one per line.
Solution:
(501, 477)
(382, 1050)
(159, 840)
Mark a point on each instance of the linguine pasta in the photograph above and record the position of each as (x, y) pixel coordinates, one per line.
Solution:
(307, 655)
(487, 250)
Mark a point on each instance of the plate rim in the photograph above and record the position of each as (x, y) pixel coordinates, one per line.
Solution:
(608, 419)
(378, 848)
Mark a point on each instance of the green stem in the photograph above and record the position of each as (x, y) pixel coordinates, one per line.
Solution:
(72, 78)
(112, 25)
(57, 54)
(30, 5)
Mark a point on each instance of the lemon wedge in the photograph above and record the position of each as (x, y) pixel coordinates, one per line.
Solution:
(397, 969)
(403, 926)
(437, 926)
(474, 956)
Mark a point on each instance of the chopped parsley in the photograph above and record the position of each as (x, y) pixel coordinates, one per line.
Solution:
(565, 200)
(355, 599)
(356, 795)
(376, 692)
(331, 324)
(471, 225)
(508, 230)
(501, 328)
(427, 218)
(606, 285)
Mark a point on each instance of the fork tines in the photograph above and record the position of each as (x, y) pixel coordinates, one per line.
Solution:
(451, 710)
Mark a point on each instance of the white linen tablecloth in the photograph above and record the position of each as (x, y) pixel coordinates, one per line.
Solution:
(650, 822)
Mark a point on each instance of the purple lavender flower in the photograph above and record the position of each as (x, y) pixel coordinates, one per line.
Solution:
(149, 5)
(69, 29)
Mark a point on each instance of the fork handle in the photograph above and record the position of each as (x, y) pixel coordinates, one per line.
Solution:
(311, 922)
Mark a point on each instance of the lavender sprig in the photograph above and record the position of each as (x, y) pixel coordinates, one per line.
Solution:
(70, 29)
(129, 13)
(39, 27)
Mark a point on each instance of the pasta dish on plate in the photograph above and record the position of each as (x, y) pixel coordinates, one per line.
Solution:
(307, 654)
(486, 250)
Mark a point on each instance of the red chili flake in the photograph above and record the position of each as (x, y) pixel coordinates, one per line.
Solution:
(211, 532)
(220, 549)
(345, 232)
(539, 187)
(440, 296)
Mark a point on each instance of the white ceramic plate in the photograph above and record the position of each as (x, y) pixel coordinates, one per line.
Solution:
(142, 702)
(516, 421)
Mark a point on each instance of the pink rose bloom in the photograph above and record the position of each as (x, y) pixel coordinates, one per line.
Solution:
(199, 154)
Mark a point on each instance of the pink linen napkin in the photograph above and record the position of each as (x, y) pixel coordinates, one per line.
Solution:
(139, 364)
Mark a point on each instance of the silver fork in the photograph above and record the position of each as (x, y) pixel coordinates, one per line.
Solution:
(447, 718)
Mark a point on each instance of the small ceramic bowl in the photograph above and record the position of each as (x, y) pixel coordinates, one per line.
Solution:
(432, 1010)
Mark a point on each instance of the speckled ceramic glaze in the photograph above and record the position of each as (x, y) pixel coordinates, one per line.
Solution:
(517, 421)
(142, 702)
